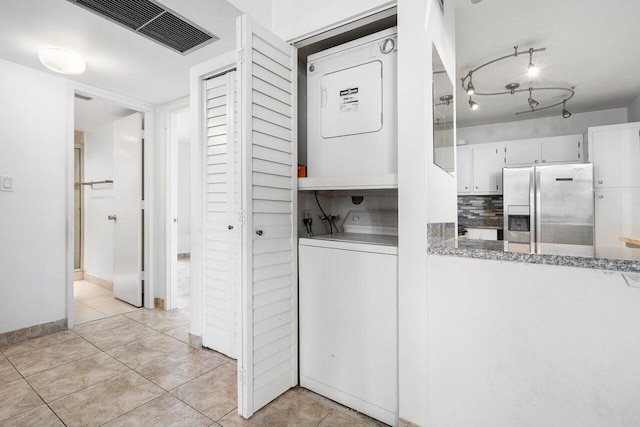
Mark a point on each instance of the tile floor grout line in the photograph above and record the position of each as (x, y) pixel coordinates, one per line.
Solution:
(142, 404)
(36, 392)
(325, 417)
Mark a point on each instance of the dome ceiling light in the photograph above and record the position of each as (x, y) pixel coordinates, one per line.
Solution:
(62, 61)
(513, 88)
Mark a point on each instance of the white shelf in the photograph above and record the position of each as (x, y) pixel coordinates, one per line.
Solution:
(362, 182)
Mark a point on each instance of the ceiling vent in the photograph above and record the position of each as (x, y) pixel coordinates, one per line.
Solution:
(153, 21)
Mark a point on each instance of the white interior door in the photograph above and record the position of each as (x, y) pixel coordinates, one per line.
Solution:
(268, 363)
(127, 199)
(221, 228)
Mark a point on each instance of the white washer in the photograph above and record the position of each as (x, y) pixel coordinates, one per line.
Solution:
(348, 314)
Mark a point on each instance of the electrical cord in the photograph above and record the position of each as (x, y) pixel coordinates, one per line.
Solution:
(325, 217)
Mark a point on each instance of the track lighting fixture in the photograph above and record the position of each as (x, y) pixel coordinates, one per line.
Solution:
(470, 89)
(532, 102)
(513, 88)
(565, 113)
(533, 69)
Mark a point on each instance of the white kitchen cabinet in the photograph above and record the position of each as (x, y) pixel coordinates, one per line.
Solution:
(555, 149)
(488, 162)
(525, 152)
(479, 169)
(463, 170)
(562, 149)
(615, 154)
(617, 214)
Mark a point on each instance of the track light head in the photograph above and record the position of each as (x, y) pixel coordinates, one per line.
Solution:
(565, 113)
(470, 89)
(533, 69)
(532, 102)
(474, 105)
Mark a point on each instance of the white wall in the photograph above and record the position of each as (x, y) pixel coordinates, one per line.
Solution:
(426, 193)
(260, 11)
(293, 19)
(633, 112)
(34, 143)
(542, 127)
(513, 344)
(98, 202)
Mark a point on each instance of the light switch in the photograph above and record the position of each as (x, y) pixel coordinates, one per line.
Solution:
(6, 183)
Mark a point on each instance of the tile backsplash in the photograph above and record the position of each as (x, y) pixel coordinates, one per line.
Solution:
(478, 209)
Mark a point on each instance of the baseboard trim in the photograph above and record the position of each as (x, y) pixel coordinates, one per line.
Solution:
(195, 341)
(159, 303)
(36, 331)
(98, 281)
(405, 423)
(78, 275)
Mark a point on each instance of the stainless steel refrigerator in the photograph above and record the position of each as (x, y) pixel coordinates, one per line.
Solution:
(550, 208)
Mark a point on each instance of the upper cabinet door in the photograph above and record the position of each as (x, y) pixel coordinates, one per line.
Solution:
(487, 169)
(266, 122)
(463, 170)
(615, 154)
(562, 149)
(526, 152)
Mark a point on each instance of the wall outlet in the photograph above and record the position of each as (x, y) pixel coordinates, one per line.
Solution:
(6, 183)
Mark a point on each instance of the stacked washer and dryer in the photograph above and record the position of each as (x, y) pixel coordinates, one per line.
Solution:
(348, 281)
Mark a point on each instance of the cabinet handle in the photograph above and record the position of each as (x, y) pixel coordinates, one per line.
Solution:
(466, 188)
(259, 232)
(599, 182)
(544, 161)
(477, 188)
(535, 161)
(601, 197)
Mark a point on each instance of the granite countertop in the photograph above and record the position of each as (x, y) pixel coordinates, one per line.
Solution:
(500, 250)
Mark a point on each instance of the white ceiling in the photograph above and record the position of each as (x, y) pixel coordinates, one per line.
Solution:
(89, 115)
(118, 59)
(591, 44)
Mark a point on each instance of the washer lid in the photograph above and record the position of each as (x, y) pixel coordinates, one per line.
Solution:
(372, 222)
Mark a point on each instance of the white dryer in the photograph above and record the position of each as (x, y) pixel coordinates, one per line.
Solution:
(348, 314)
(352, 108)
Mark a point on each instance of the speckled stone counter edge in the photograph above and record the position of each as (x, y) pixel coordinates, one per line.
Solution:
(560, 260)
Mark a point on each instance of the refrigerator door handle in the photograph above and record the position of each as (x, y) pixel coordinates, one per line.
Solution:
(532, 210)
(538, 215)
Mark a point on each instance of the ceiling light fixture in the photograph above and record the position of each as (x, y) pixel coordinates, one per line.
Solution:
(470, 89)
(532, 102)
(512, 88)
(533, 69)
(565, 113)
(62, 61)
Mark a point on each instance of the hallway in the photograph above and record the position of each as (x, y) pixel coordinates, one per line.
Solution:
(136, 369)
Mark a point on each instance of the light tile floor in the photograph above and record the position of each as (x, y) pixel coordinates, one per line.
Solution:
(136, 369)
(92, 302)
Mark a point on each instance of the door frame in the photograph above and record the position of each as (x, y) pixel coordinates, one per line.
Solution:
(147, 111)
(198, 73)
(171, 197)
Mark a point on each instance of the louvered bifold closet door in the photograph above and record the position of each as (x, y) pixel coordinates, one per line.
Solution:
(220, 293)
(266, 121)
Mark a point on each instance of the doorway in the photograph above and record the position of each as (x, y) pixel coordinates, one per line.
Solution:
(179, 208)
(108, 222)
